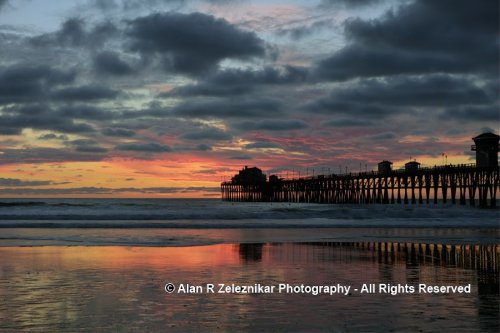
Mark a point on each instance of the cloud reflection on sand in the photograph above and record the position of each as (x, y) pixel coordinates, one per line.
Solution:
(121, 288)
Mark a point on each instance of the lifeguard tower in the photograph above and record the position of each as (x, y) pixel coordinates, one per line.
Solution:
(486, 148)
(412, 166)
(385, 167)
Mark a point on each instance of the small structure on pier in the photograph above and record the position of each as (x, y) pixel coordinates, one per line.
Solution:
(273, 179)
(412, 166)
(385, 167)
(249, 176)
(486, 148)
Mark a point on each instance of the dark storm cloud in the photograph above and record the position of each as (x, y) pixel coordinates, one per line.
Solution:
(46, 155)
(382, 136)
(84, 93)
(192, 43)
(210, 133)
(25, 83)
(261, 144)
(84, 112)
(109, 62)
(203, 147)
(13, 182)
(14, 124)
(91, 149)
(27, 110)
(240, 81)
(10, 130)
(459, 20)
(330, 105)
(118, 132)
(82, 142)
(424, 61)
(472, 113)
(272, 125)
(361, 61)
(230, 108)
(346, 122)
(425, 36)
(432, 90)
(44, 117)
(268, 75)
(86, 146)
(301, 32)
(52, 136)
(74, 33)
(206, 89)
(3, 3)
(241, 157)
(144, 147)
(389, 95)
(72, 118)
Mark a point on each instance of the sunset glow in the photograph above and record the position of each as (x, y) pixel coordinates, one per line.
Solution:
(168, 99)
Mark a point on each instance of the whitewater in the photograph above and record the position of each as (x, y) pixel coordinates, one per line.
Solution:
(179, 222)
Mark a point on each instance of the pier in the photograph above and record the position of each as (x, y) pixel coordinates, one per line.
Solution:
(473, 184)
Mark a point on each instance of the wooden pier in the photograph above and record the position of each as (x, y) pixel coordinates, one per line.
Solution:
(459, 184)
(475, 184)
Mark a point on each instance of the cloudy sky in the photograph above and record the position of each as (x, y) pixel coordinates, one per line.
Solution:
(166, 98)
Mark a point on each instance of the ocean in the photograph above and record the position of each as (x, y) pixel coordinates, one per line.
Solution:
(103, 265)
(131, 222)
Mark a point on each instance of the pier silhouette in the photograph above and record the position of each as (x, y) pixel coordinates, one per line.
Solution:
(475, 184)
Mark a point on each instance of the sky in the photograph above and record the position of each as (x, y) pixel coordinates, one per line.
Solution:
(151, 98)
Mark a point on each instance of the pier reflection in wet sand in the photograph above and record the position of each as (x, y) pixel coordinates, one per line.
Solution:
(121, 288)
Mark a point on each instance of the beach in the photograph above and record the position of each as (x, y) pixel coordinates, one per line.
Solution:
(109, 272)
(61, 288)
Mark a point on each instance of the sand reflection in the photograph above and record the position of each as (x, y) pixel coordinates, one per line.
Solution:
(121, 288)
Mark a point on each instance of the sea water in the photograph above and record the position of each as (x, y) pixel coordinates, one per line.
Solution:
(168, 222)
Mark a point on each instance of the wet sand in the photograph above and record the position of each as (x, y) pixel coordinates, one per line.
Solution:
(116, 288)
(192, 237)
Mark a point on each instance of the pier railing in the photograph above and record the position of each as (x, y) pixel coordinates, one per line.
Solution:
(462, 184)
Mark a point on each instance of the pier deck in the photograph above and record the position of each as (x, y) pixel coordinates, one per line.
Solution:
(462, 184)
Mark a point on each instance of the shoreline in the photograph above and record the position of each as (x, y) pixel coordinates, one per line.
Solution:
(182, 237)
